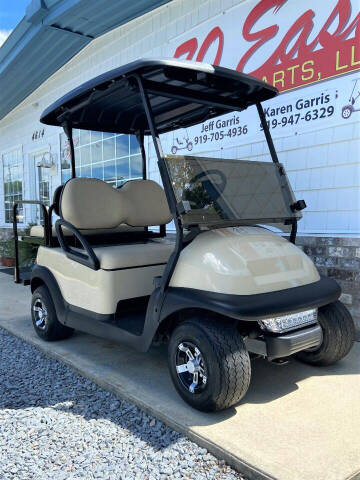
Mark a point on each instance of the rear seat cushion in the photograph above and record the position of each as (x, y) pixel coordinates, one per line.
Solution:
(38, 230)
(134, 255)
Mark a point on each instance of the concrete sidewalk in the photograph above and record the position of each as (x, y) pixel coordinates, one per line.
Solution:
(296, 423)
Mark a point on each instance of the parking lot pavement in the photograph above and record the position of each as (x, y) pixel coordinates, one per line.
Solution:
(296, 423)
(56, 424)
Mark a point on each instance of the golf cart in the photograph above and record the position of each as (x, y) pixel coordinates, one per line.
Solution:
(184, 144)
(227, 287)
(349, 109)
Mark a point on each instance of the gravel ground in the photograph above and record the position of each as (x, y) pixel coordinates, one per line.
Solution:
(55, 424)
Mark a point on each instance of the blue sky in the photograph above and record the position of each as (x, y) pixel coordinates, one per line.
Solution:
(11, 12)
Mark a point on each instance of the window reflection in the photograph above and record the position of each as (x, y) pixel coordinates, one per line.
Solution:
(12, 174)
(107, 156)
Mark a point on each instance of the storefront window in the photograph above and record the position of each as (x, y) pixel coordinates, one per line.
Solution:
(109, 157)
(43, 178)
(44, 185)
(12, 169)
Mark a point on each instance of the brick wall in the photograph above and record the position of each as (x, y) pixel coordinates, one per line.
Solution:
(339, 258)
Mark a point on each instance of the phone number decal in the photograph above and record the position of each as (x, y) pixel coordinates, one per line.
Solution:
(221, 135)
(293, 119)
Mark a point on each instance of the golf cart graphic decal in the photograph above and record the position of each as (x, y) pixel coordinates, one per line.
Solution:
(302, 45)
(181, 143)
(354, 100)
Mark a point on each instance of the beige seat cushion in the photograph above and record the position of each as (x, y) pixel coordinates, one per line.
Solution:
(38, 230)
(134, 255)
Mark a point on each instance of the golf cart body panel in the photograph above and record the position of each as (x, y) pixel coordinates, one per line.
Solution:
(117, 327)
(101, 290)
(242, 261)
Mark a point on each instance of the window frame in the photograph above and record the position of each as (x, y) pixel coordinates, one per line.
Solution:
(19, 149)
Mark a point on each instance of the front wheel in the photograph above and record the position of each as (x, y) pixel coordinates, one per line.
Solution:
(209, 364)
(338, 336)
(44, 318)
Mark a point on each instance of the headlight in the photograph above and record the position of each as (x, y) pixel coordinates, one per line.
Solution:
(289, 322)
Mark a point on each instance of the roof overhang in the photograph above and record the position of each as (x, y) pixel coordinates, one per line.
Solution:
(182, 94)
(50, 34)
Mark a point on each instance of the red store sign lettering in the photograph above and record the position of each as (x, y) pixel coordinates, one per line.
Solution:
(296, 61)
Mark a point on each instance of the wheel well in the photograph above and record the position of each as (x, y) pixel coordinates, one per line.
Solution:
(173, 320)
(35, 283)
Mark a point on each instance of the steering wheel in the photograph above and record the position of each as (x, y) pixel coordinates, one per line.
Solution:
(214, 190)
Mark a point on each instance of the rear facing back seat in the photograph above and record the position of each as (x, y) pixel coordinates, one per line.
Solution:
(91, 204)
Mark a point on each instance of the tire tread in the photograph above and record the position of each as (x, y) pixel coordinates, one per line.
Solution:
(232, 362)
(56, 330)
(339, 335)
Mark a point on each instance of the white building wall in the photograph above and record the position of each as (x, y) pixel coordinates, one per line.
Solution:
(323, 165)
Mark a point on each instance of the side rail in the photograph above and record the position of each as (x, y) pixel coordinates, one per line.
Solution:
(89, 259)
(47, 232)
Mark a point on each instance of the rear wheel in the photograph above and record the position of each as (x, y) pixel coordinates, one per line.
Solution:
(209, 364)
(338, 336)
(44, 318)
(346, 112)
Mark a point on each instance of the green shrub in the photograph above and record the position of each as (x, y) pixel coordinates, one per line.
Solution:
(27, 251)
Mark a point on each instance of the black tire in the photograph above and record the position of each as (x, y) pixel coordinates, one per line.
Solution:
(48, 326)
(338, 336)
(225, 361)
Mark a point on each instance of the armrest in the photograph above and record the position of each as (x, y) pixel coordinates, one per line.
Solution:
(89, 259)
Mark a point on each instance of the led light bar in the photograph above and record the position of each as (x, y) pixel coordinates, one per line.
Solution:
(289, 322)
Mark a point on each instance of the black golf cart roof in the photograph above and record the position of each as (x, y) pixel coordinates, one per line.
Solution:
(182, 94)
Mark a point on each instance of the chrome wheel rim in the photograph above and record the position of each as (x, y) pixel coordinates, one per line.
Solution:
(40, 314)
(190, 367)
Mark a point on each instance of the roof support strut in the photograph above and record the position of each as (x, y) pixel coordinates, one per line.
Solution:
(275, 159)
(163, 283)
(140, 139)
(68, 131)
(268, 136)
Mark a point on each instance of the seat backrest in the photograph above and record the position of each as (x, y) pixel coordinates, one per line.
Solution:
(89, 203)
(56, 199)
(146, 203)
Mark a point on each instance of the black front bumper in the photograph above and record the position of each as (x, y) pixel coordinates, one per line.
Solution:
(286, 344)
(257, 306)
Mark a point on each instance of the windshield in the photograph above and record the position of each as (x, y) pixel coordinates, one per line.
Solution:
(214, 191)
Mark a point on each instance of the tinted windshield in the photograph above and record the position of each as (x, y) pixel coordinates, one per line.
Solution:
(217, 191)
